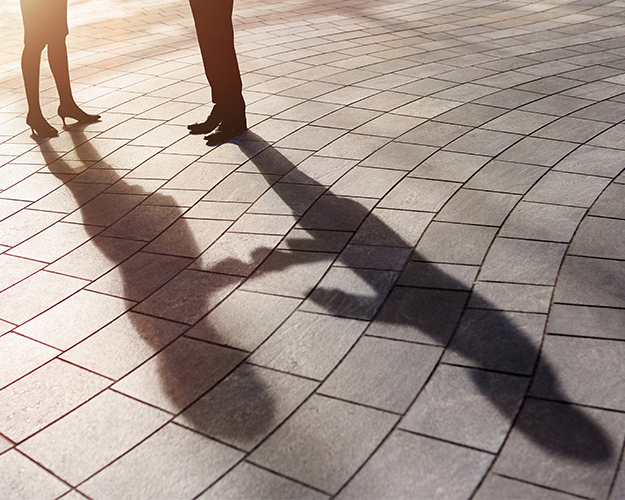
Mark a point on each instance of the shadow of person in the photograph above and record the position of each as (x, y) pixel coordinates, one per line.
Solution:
(126, 215)
(486, 338)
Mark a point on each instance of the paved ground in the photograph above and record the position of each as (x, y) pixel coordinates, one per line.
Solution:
(407, 280)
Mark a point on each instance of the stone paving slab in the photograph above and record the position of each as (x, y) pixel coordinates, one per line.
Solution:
(406, 280)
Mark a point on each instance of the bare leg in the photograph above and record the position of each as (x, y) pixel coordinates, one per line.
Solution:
(31, 60)
(57, 57)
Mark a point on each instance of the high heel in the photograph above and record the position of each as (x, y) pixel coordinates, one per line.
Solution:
(41, 127)
(77, 114)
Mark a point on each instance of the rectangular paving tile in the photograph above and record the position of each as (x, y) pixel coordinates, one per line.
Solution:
(419, 194)
(382, 373)
(600, 237)
(588, 370)
(507, 342)
(407, 463)
(247, 481)
(324, 442)
(57, 387)
(540, 221)
(173, 463)
(586, 321)
(449, 166)
(467, 406)
(608, 204)
(565, 447)
(506, 177)
(301, 345)
(388, 227)
(478, 207)
(563, 188)
(455, 243)
(23, 478)
(35, 294)
(495, 486)
(247, 406)
(23, 355)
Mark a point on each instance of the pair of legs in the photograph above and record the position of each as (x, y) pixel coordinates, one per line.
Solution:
(215, 33)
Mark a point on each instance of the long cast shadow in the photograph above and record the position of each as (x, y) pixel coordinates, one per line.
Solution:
(179, 364)
(486, 337)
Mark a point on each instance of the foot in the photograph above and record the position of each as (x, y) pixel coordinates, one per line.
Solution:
(40, 126)
(211, 123)
(77, 114)
(226, 130)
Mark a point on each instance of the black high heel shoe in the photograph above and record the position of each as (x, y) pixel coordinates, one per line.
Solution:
(77, 114)
(41, 127)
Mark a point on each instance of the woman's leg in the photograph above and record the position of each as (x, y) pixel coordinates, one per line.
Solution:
(31, 60)
(57, 57)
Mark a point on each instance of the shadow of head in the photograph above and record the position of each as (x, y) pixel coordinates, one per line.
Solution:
(434, 306)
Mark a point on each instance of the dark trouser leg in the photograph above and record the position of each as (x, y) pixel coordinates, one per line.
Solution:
(213, 22)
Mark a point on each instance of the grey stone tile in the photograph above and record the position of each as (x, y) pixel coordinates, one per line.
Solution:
(24, 354)
(399, 156)
(366, 182)
(559, 105)
(36, 294)
(494, 340)
(539, 221)
(467, 406)
(200, 175)
(572, 129)
(419, 194)
(587, 371)
(188, 237)
(248, 481)
(105, 209)
(591, 281)
(478, 207)
(483, 142)
(470, 114)
(140, 275)
(241, 187)
(507, 177)
(382, 373)
(337, 213)
(188, 296)
(287, 199)
(607, 111)
(23, 479)
(247, 406)
(599, 237)
(310, 345)
(24, 224)
(448, 166)
(523, 261)
(352, 293)
(319, 170)
(389, 125)
(407, 463)
(536, 151)
(244, 320)
(495, 487)
(96, 257)
(510, 98)
(511, 297)
(316, 240)
(609, 203)
(563, 188)
(442, 276)
(585, 321)
(124, 344)
(353, 146)
(519, 122)
(347, 118)
(236, 253)
(563, 446)
(400, 228)
(419, 315)
(434, 134)
(324, 442)
(92, 436)
(374, 257)
(455, 243)
(611, 138)
(618, 490)
(143, 223)
(290, 273)
(57, 388)
(216, 210)
(179, 374)
(172, 464)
